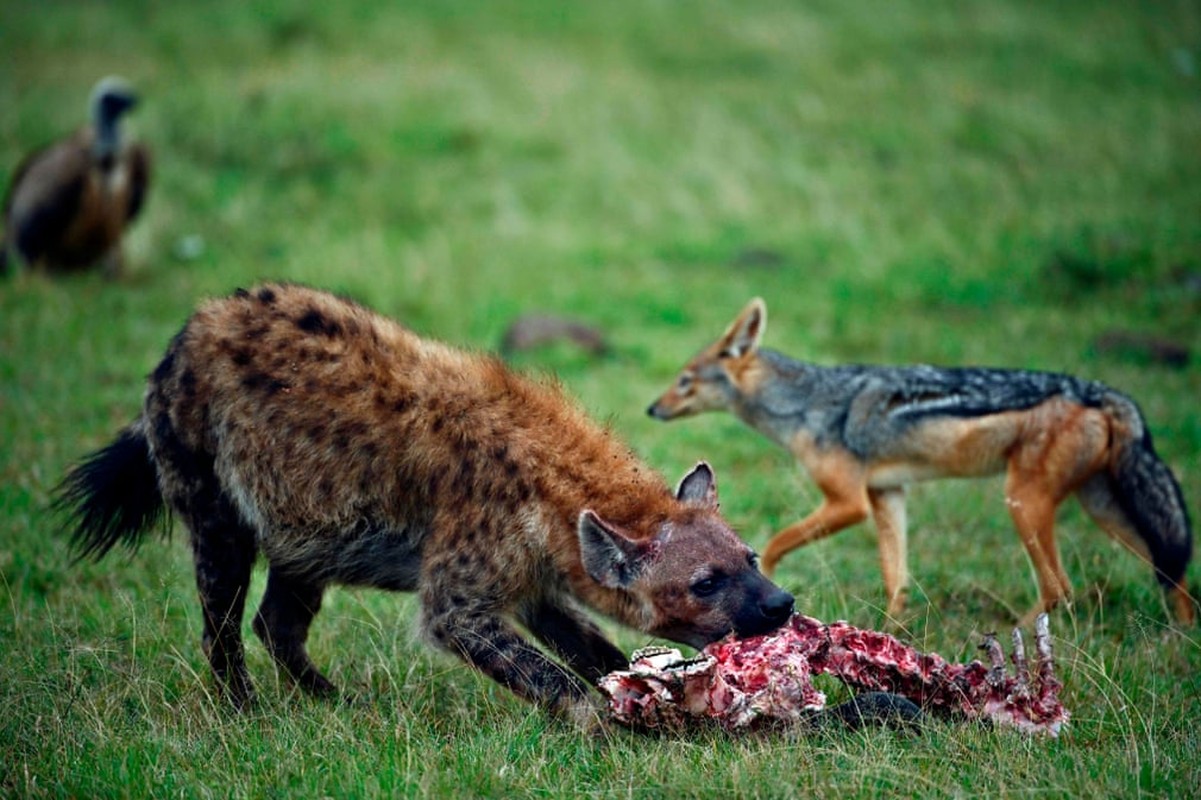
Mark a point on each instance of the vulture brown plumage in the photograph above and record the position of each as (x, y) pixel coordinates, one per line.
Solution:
(69, 204)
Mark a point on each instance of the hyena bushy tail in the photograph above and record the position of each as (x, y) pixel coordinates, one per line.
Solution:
(1149, 495)
(112, 496)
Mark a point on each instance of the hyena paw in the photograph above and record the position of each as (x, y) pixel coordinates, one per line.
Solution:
(316, 684)
(239, 694)
(587, 716)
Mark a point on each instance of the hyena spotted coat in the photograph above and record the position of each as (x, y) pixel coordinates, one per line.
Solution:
(347, 450)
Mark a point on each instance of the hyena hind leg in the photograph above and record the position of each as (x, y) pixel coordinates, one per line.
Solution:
(224, 554)
(282, 624)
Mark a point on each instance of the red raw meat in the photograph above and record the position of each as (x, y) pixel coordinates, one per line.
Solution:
(766, 680)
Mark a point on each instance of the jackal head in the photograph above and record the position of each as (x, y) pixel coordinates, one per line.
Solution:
(694, 580)
(714, 379)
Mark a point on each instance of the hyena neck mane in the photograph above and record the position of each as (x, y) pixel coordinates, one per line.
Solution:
(598, 473)
(534, 434)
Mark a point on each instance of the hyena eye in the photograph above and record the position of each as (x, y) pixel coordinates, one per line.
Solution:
(707, 587)
(753, 560)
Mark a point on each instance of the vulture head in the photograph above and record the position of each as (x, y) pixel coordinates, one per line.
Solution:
(111, 98)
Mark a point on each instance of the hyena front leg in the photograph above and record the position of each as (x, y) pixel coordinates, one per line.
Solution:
(574, 638)
(282, 623)
(486, 641)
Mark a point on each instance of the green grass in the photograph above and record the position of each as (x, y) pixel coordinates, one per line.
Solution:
(979, 182)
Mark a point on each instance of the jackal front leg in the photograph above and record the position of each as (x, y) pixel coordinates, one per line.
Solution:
(842, 507)
(888, 512)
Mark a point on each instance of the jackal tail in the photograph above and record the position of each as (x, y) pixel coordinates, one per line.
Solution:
(1149, 494)
(112, 496)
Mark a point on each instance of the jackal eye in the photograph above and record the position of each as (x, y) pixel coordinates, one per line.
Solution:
(684, 382)
(708, 586)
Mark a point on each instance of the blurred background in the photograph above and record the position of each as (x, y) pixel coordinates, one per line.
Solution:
(1002, 183)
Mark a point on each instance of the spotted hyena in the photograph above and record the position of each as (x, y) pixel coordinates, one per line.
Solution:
(347, 449)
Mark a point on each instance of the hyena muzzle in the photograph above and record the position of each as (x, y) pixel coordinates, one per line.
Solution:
(345, 449)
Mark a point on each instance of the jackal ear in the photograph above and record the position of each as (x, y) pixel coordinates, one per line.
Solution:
(699, 487)
(611, 558)
(745, 331)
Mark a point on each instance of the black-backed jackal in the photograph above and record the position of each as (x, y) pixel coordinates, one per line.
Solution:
(864, 432)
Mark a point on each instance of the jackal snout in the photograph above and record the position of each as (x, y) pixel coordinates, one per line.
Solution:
(663, 410)
(718, 376)
(699, 387)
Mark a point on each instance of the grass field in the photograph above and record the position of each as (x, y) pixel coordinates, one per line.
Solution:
(982, 182)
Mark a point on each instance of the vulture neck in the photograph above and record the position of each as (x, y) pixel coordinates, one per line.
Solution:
(108, 135)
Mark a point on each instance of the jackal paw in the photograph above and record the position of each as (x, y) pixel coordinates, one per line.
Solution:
(1028, 619)
(896, 606)
(1184, 607)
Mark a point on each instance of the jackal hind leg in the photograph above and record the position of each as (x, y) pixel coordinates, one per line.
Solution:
(1032, 508)
(1063, 446)
(488, 642)
(574, 638)
(888, 512)
(282, 624)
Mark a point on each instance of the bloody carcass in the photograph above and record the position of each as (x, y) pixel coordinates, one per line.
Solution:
(767, 680)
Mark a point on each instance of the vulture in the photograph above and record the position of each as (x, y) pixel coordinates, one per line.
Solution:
(69, 203)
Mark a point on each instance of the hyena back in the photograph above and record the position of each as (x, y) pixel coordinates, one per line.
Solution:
(347, 450)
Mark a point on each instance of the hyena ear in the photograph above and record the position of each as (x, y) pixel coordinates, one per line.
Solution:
(745, 331)
(699, 487)
(610, 557)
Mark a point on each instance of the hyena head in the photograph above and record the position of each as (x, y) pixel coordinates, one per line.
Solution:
(694, 581)
(717, 376)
